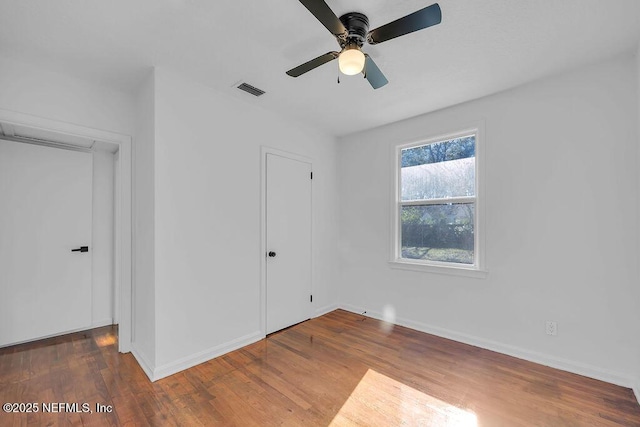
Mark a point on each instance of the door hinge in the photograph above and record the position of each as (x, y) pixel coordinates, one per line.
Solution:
(311, 298)
(311, 175)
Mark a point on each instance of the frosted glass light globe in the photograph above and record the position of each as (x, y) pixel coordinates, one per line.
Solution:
(351, 61)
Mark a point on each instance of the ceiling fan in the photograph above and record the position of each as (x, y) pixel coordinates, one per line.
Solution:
(351, 31)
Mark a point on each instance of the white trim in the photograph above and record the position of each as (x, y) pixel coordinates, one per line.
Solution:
(44, 337)
(204, 356)
(449, 269)
(479, 268)
(142, 361)
(636, 388)
(264, 150)
(101, 323)
(94, 325)
(354, 309)
(124, 144)
(450, 200)
(41, 123)
(583, 369)
(117, 236)
(321, 311)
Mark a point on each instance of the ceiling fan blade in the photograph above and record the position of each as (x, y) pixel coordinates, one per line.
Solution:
(314, 63)
(373, 73)
(325, 15)
(423, 18)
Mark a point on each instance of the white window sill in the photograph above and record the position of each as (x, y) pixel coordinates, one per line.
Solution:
(451, 270)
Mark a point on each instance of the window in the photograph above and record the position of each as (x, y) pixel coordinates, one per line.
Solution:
(436, 203)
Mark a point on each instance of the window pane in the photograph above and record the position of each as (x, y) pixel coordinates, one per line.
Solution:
(452, 149)
(439, 170)
(438, 232)
(455, 178)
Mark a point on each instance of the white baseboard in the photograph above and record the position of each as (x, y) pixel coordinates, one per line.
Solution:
(142, 361)
(510, 350)
(326, 309)
(354, 309)
(57, 334)
(101, 323)
(203, 356)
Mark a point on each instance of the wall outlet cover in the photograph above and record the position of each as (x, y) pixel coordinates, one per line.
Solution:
(552, 328)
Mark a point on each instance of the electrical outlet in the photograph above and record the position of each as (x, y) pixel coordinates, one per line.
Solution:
(552, 328)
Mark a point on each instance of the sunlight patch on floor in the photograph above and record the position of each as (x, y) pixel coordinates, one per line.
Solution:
(106, 340)
(382, 401)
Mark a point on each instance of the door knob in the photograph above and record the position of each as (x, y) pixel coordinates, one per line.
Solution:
(272, 254)
(81, 249)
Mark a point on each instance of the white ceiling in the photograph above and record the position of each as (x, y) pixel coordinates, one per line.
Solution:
(480, 47)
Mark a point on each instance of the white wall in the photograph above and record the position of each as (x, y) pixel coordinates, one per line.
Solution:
(202, 139)
(102, 239)
(33, 90)
(207, 217)
(143, 292)
(561, 224)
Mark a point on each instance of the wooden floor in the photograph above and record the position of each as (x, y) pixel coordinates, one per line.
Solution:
(339, 369)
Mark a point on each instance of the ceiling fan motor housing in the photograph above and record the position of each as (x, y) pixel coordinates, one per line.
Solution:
(357, 25)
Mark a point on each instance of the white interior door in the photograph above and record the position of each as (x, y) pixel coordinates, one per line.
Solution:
(45, 213)
(288, 281)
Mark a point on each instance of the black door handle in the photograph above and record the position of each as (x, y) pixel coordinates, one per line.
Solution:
(272, 254)
(81, 249)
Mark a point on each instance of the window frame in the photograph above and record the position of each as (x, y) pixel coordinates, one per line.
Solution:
(478, 269)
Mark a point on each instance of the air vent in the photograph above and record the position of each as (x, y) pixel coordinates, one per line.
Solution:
(250, 89)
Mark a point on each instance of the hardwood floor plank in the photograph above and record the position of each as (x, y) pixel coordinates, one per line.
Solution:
(339, 369)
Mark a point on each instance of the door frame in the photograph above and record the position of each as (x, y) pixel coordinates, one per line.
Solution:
(124, 259)
(264, 150)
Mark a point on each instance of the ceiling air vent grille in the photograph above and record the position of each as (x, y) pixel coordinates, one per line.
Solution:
(250, 89)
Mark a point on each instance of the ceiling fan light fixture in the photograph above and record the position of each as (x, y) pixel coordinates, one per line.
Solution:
(351, 60)
(351, 31)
